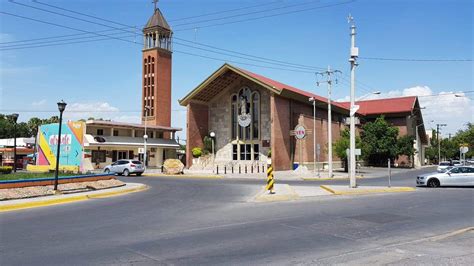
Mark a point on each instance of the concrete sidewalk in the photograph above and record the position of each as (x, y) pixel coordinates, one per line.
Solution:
(366, 172)
(11, 205)
(285, 192)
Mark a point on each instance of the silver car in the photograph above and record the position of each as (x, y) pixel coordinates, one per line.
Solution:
(451, 176)
(125, 167)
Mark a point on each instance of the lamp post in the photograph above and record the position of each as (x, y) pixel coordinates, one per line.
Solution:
(145, 138)
(313, 100)
(439, 142)
(61, 107)
(212, 134)
(15, 119)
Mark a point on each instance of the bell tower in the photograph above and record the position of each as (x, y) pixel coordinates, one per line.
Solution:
(156, 61)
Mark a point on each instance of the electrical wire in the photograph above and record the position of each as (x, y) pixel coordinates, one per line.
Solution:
(415, 60)
(246, 14)
(267, 16)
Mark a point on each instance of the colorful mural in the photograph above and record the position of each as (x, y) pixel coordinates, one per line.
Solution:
(72, 140)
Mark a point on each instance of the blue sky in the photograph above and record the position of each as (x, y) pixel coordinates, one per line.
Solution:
(102, 78)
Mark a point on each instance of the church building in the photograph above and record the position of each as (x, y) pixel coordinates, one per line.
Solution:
(252, 115)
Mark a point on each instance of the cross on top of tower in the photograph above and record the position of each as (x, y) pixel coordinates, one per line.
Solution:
(155, 2)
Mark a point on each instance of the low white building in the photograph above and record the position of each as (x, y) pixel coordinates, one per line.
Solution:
(107, 141)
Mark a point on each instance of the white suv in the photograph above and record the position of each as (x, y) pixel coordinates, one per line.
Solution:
(125, 167)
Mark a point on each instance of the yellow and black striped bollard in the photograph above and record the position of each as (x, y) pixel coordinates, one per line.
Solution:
(270, 180)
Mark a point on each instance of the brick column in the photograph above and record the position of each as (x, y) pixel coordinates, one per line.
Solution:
(280, 133)
(197, 127)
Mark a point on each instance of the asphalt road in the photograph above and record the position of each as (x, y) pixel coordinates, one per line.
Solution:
(197, 222)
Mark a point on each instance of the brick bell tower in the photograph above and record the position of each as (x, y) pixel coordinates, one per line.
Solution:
(156, 89)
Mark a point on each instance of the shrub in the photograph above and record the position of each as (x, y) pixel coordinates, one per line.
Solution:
(269, 154)
(197, 152)
(5, 169)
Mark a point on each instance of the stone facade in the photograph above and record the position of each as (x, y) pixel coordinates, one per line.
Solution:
(220, 121)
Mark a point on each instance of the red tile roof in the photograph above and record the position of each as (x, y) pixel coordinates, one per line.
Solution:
(281, 87)
(385, 106)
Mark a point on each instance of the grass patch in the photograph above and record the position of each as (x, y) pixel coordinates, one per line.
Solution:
(23, 176)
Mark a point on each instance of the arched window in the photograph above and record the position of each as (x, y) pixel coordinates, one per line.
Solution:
(249, 102)
(255, 115)
(234, 113)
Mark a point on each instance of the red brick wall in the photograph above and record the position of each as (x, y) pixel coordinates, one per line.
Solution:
(196, 128)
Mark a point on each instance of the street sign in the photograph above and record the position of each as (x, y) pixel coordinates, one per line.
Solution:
(347, 121)
(463, 150)
(357, 152)
(300, 132)
(354, 109)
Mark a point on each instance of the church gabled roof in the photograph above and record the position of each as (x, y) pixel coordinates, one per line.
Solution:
(157, 20)
(227, 73)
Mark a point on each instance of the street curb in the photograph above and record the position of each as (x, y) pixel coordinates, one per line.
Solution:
(451, 234)
(49, 202)
(327, 178)
(263, 197)
(185, 176)
(368, 191)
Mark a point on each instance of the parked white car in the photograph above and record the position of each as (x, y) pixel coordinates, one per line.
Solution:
(125, 167)
(451, 176)
(443, 165)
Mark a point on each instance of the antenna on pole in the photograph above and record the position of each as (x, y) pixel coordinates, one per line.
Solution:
(350, 19)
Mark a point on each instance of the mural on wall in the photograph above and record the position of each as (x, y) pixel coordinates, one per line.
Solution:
(72, 140)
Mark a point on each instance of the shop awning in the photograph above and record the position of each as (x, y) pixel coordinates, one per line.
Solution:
(110, 141)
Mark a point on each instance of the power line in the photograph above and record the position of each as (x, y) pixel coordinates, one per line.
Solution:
(224, 11)
(246, 57)
(249, 55)
(415, 60)
(58, 42)
(267, 16)
(246, 14)
(105, 35)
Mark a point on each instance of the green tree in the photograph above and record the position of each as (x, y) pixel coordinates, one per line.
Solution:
(7, 128)
(341, 145)
(405, 146)
(379, 142)
(207, 141)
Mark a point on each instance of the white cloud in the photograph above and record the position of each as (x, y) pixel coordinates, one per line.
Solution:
(104, 110)
(39, 103)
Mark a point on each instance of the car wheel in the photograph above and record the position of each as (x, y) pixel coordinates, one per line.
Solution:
(139, 174)
(126, 172)
(433, 183)
(107, 171)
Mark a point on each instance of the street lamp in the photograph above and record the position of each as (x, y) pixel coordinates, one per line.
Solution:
(145, 138)
(212, 134)
(15, 119)
(368, 94)
(61, 108)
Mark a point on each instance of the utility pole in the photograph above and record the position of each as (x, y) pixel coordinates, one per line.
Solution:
(439, 142)
(328, 73)
(354, 53)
